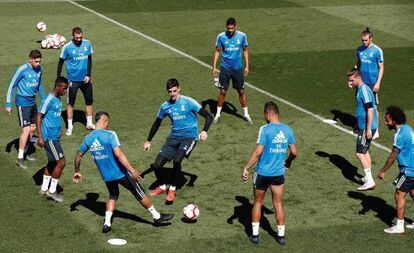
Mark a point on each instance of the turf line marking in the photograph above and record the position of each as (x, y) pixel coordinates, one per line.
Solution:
(211, 67)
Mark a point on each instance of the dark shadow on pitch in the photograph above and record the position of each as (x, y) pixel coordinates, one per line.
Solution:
(345, 118)
(227, 108)
(188, 221)
(78, 116)
(348, 170)
(167, 173)
(98, 207)
(14, 144)
(385, 212)
(243, 215)
(38, 176)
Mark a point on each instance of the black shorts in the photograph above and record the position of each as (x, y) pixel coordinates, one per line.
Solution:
(404, 183)
(235, 75)
(263, 182)
(176, 144)
(86, 89)
(27, 115)
(54, 150)
(129, 183)
(363, 143)
(371, 86)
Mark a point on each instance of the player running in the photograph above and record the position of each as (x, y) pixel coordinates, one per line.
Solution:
(232, 42)
(27, 80)
(78, 56)
(183, 137)
(48, 130)
(115, 169)
(367, 124)
(403, 151)
(370, 61)
(272, 146)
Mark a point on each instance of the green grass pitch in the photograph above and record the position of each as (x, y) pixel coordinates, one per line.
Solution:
(300, 50)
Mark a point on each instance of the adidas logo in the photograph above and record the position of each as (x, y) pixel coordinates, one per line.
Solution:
(279, 138)
(96, 146)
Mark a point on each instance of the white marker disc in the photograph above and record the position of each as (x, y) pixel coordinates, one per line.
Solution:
(117, 242)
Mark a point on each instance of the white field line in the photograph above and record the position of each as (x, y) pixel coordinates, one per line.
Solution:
(211, 67)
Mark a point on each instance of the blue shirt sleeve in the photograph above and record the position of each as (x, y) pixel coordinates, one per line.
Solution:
(398, 140)
(291, 137)
(17, 76)
(218, 42)
(261, 139)
(83, 147)
(365, 96)
(380, 55)
(44, 105)
(90, 49)
(194, 105)
(114, 140)
(244, 41)
(40, 88)
(64, 53)
(161, 112)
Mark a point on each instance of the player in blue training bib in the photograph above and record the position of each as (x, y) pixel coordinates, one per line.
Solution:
(48, 125)
(27, 80)
(114, 168)
(274, 142)
(367, 125)
(232, 43)
(78, 56)
(403, 152)
(182, 111)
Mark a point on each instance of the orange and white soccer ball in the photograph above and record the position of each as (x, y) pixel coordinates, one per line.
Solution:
(191, 212)
(41, 26)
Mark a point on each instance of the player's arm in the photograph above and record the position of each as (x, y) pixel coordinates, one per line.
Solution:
(13, 83)
(370, 116)
(59, 66)
(40, 141)
(380, 74)
(390, 161)
(246, 60)
(254, 157)
(40, 88)
(292, 155)
(155, 126)
(77, 161)
(216, 57)
(89, 70)
(124, 161)
(208, 121)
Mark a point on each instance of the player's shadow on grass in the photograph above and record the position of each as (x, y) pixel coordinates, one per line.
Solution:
(385, 212)
(345, 118)
(78, 116)
(31, 148)
(243, 215)
(227, 108)
(348, 170)
(98, 207)
(38, 176)
(182, 181)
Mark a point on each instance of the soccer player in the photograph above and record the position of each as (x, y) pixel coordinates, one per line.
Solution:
(49, 125)
(27, 80)
(403, 151)
(183, 137)
(367, 124)
(232, 42)
(273, 143)
(78, 56)
(370, 61)
(115, 169)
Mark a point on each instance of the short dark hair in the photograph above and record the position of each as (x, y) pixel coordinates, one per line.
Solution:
(76, 30)
(367, 32)
(231, 21)
(99, 114)
(396, 114)
(271, 107)
(172, 83)
(61, 80)
(34, 54)
(354, 72)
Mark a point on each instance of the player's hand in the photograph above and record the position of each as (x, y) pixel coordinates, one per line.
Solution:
(147, 145)
(245, 175)
(381, 175)
(87, 79)
(77, 177)
(9, 110)
(376, 87)
(203, 136)
(40, 142)
(246, 71)
(369, 133)
(135, 175)
(215, 72)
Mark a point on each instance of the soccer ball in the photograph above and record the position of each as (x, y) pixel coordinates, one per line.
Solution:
(191, 212)
(41, 26)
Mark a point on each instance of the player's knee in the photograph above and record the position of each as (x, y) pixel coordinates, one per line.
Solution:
(26, 130)
(32, 128)
(223, 92)
(61, 163)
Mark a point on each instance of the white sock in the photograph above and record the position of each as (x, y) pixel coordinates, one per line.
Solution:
(21, 154)
(246, 111)
(218, 111)
(45, 183)
(155, 214)
(400, 223)
(172, 188)
(281, 230)
(70, 123)
(255, 228)
(53, 185)
(163, 187)
(89, 120)
(108, 216)
(368, 175)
